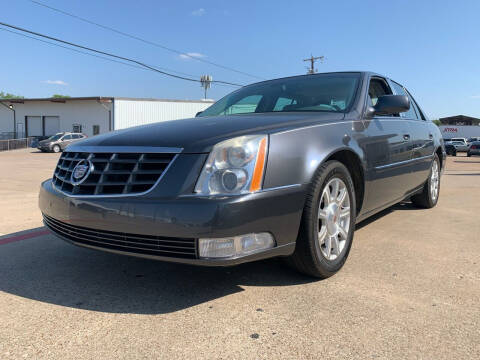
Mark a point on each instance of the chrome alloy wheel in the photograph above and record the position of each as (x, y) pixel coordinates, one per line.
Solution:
(333, 218)
(434, 181)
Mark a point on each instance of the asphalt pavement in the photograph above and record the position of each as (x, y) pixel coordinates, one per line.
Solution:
(409, 290)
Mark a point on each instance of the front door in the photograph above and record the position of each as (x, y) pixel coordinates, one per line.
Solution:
(387, 148)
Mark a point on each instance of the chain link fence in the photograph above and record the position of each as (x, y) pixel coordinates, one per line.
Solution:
(13, 144)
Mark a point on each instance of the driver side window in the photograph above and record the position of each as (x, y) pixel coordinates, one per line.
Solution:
(378, 87)
(244, 106)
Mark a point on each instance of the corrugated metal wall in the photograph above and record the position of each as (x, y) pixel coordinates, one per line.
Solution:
(129, 113)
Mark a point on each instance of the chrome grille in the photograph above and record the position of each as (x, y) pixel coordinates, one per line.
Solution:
(113, 173)
(133, 243)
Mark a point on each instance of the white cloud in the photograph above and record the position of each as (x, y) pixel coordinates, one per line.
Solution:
(190, 55)
(55, 82)
(475, 96)
(199, 12)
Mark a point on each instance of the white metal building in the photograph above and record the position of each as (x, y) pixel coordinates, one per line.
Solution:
(466, 131)
(90, 115)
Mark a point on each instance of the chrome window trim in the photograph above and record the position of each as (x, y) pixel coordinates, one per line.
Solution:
(117, 195)
(124, 149)
(403, 162)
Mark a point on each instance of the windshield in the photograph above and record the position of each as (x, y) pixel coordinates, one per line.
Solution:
(55, 137)
(320, 92)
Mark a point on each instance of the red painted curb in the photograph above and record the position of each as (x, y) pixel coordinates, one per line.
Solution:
(23, 236)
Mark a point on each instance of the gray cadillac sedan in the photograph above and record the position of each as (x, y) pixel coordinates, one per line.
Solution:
(285, 167)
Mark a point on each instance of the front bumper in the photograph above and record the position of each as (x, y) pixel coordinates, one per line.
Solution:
(276, 211)
(44, 148)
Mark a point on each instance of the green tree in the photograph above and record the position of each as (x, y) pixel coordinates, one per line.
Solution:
(437, 122)
(6, 95)
(58, 96)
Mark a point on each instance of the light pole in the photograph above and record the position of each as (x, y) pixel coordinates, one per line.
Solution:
(14, 121)
(205, 81)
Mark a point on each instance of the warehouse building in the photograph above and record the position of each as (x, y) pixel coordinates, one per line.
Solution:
(20, 118)
(459, 126)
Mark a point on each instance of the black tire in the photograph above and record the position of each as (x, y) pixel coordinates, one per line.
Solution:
(455, 153)
(56, 148)
(308, 257)
(468, 154)
(424, 199)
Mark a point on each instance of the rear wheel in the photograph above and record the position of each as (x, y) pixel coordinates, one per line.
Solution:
(56, 148)
(328, 223)
(428, 198)
(468, 154)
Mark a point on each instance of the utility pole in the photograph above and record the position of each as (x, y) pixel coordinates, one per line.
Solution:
(312, 60)
(205, 82)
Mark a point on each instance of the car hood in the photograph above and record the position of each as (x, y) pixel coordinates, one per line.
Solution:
(44, 142)
(199, 135)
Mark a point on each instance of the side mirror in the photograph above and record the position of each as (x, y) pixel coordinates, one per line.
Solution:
(389, 104)
(198, 113)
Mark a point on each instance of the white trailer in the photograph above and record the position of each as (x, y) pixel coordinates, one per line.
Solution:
(454, 131)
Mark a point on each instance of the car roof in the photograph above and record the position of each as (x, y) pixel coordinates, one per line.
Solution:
(364, 73)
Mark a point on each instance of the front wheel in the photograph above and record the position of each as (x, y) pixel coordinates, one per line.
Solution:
(428, 198)
(468, 154)
(328, 223)
(56, 148)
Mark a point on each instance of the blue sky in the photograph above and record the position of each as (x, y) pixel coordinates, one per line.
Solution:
(432, 47)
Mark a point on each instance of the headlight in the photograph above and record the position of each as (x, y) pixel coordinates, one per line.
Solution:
(234, 166)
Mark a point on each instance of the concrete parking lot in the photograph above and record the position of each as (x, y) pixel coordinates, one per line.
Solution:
(409, 290)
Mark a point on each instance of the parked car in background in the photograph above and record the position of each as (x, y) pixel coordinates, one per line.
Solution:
(460, 139)
(60, 141)
(474, 148)
(472, 139)
(460, 146)
(36, 140)
(450, 149)
(284, 167)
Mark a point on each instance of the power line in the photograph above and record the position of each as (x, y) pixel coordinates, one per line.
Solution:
(112, 55)
(86, 53)
(178, 52)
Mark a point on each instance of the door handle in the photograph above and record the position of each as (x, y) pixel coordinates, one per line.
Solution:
(430, 136)
(406, 137)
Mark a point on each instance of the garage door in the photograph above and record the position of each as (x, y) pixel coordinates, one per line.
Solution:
(52, 125)
(34, 126)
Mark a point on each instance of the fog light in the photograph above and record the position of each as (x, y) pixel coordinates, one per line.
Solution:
(235, 246)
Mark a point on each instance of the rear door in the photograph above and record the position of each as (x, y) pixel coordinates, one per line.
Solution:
(387, 147)
(76, 137)
(422, 140)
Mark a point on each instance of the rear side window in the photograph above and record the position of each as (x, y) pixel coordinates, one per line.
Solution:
(411, 113)
(417, 108)
(67, 137)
